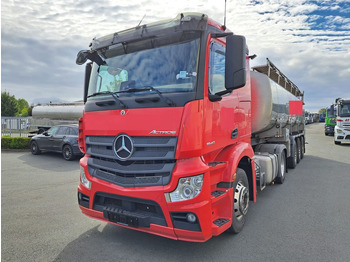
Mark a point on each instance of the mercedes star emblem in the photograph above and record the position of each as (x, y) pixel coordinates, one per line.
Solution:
(123, 147)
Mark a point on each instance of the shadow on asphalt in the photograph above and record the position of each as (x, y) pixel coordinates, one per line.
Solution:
(114, 243)
(50, 161)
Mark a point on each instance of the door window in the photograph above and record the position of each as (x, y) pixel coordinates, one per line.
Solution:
(52, 130)
(73, 132)
(62, 131)
(217, 68)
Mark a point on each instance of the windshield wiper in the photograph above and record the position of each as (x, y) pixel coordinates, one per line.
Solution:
(151, 88)
(113, 94)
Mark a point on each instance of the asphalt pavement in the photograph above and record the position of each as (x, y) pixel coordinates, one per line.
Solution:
(305, 219)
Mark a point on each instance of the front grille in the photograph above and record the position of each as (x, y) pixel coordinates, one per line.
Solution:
(151, 163)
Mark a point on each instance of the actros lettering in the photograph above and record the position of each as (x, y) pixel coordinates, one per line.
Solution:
(155, 132)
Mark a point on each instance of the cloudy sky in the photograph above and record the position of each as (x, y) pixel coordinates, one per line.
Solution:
(308, 40)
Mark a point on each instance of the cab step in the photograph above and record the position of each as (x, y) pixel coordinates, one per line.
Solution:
(220, 225)
(218, 193)
(221, 221)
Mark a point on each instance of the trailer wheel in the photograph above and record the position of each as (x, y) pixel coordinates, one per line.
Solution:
(34, 148)
(298, 150)
(240, 201)
(282, 169)
(292, 160)
(67, 152)
(302, 147)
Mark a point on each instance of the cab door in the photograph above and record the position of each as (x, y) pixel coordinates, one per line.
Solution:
(221, 128)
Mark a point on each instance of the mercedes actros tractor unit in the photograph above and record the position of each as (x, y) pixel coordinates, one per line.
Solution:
(179, 134)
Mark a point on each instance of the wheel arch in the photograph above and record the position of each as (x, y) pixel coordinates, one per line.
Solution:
(240, 155)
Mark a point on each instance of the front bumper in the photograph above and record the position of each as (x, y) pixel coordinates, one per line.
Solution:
(341, 135)
(146, 209)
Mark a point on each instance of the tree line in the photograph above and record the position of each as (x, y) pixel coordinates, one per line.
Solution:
(10, 106)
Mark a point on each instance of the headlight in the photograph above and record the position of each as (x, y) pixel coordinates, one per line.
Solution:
(339, 131)
(83, 178)
(187, 188)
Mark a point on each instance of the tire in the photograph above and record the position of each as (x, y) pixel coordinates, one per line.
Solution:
(292, 160)
(302, 140)
(282, 168)
(240, 201)
(337, 142)
(298, 150)
(67, 152)
(34, 148)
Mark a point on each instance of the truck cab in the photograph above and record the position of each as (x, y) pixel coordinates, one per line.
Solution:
(342, 128)
(330, 120)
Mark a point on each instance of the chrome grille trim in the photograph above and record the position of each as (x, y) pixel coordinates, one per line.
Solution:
(151, 164)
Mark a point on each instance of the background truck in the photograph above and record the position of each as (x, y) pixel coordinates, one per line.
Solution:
(179, 134)
(330, 120)
(46, 116)
(342, 128)
(322, 117)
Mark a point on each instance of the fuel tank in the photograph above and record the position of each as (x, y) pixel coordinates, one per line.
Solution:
(270, 104)
(66, 111)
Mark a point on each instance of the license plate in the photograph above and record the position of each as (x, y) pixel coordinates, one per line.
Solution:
(123, 219)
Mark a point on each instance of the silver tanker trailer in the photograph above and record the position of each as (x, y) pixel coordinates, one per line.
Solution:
(46, 116)
(278, 136)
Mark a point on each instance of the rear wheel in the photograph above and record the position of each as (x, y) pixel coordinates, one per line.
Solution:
(240, 201)
(67, 152)
(34, 148)
(298, 150)
(302, 142)
(292, 160)
(282, 169)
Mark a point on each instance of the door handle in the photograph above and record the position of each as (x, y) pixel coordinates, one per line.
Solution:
(234, 133)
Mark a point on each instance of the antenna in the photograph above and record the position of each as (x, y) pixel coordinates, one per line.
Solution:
(224, 26)
(142, 19)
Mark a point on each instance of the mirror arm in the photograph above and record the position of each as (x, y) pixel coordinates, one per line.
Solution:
(218, 35)
(221, 93)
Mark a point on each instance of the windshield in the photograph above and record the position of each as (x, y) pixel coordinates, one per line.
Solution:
(344, 110)
(171, 68)
(330, 113)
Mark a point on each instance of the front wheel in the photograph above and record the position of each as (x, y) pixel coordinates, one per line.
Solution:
(337, 142)
(67, 152)
(240, 201)
(34, 148)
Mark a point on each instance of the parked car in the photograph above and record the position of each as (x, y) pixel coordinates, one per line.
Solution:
(62, 139)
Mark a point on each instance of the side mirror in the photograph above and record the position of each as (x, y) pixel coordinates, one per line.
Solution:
(88, 69)
(45, 133)
(82, 57)
(235, 62)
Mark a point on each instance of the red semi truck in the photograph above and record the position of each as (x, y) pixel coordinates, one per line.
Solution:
(178, 134)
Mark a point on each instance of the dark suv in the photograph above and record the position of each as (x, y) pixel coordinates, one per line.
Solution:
(62, 139)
